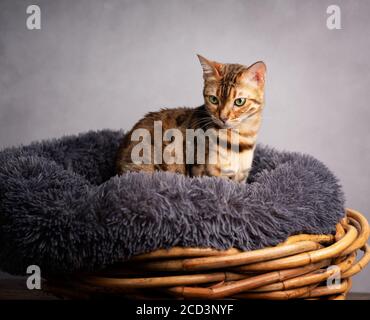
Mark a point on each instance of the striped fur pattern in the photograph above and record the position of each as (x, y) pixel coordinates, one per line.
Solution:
(233, 101)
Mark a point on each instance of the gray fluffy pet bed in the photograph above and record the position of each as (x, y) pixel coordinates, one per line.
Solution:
(62, 208)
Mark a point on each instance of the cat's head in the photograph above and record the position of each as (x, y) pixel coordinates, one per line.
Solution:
(233, 93)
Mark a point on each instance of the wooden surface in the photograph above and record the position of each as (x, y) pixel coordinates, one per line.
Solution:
(15, 289)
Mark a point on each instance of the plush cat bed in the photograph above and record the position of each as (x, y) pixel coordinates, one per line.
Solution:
(62, 208)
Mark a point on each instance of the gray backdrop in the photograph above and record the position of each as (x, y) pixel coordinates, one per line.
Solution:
(103, 64)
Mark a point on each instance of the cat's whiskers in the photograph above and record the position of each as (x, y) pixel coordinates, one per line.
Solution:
(203, 122)
(249, 115)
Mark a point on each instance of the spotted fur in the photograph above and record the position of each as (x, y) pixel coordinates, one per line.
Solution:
(226, 83)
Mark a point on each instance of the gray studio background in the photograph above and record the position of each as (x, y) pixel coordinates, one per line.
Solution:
(104, 64)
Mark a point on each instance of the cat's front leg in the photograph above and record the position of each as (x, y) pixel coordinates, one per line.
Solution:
(242, 176)
(197, 170)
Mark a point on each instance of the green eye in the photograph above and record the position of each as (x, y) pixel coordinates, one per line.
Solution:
(239, 102)
(213, 99)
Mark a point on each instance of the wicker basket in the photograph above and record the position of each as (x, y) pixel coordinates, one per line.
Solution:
(301, 267)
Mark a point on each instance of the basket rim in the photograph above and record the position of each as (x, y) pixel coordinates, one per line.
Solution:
(292, 269)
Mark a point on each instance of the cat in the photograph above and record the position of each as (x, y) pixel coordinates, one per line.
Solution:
(233, 101)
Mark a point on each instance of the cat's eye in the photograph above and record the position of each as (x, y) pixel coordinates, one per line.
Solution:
(213, 99)
(239, 102)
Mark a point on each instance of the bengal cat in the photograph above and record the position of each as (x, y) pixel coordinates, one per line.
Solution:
(233, 101)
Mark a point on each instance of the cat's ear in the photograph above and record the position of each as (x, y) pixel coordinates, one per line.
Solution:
(211, 69)
(256, 73)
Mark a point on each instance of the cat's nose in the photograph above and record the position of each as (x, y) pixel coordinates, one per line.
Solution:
(223, 119)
